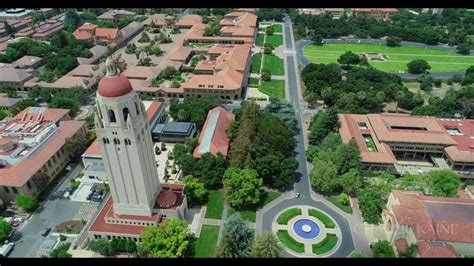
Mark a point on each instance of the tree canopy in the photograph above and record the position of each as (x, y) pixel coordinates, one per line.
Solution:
(371, 205)
(169, 240)
(266, 245)
(444, 183)
(236, 240)
(26, 202)
(418, 66)
(243, 187)
(194, 109)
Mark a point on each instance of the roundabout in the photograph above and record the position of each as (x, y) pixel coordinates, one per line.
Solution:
(306, 231)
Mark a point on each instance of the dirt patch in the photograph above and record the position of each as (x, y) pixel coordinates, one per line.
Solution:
(70, 227)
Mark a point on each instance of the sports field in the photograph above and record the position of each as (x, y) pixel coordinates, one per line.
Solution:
(398, 57)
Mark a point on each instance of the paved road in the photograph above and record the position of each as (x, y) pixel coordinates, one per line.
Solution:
(53, 211)
(302, 184)
(302, 60)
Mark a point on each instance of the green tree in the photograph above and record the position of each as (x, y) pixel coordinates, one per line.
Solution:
(383, 249)
(26, 202)
(393, 41)
(236, 240)
(144, 38)
(349, 58)
(102, 246)
(463, 48)
(444, 183)
(410, 252)
(210, 169)
(195, 191)
(266, 74)
(9, 30)
(418, 66)
(371, 205)
(169, 240)
(266, 245)
(348, 156)
(5, 230)
(317, 39)
(322, 124)
(61, 251)
(324, 175)
(269, 30)
(343, 199)
(243, 187)
(352, 182)
(3, 114)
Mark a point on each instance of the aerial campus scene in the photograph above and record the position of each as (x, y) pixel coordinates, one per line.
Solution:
(237, 133)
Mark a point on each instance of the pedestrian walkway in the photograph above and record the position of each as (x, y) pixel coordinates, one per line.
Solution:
(87, 211)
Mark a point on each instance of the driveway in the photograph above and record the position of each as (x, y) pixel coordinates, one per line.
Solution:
(52, 211)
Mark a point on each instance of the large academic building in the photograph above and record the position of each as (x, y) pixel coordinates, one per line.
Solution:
(404, 143)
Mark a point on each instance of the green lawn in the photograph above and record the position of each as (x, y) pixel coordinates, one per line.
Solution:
(268, 197)
(275, 40)
(256, 62)
(247, 215)
(260, 38)
(274, 63)
(205, 246)
(251, 215)
(290, 242)
(273, 88)
(287, 215)
(322, 217)
(277, 28)
(253, 82)
(215, 204)
(326, 245)
(398, 57)
(345, 208)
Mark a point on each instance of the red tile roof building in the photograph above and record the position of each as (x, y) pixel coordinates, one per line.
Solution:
(101, 36)
(441, 227)
(34, 148)
(386, 139)
(376, 13)
(187, 21)
(213, 138)
(116, 15)
(159, 20)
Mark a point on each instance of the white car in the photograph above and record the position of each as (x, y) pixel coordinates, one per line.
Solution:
(297, 195)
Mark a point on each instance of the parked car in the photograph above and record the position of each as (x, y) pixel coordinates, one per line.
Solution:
(96, 197)
(89, 197)
(16, 221)
(6, 249)
(46, 232)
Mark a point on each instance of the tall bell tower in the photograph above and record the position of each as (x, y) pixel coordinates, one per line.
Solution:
(124, 138)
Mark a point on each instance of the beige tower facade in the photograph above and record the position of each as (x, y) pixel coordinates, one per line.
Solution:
(125, 142)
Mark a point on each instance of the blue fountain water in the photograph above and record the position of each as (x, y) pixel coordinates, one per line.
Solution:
(313, 233)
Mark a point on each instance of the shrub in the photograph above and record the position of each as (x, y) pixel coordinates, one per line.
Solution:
(26, 202)
(343, 199)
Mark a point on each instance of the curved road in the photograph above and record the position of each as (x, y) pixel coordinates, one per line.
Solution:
(348, 225)
(302, 60)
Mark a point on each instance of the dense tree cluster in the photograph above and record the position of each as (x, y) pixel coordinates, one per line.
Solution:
(5, 230)
(263, 142)
(61, 251)
(364, 90)
(110, 248)
(456, 103)
(193, 109)
(383, 249)
(209, 169)
(194, 190)
(453, 26)
(267, 14)
(169, 240)
(283, 110)
(212, 29)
